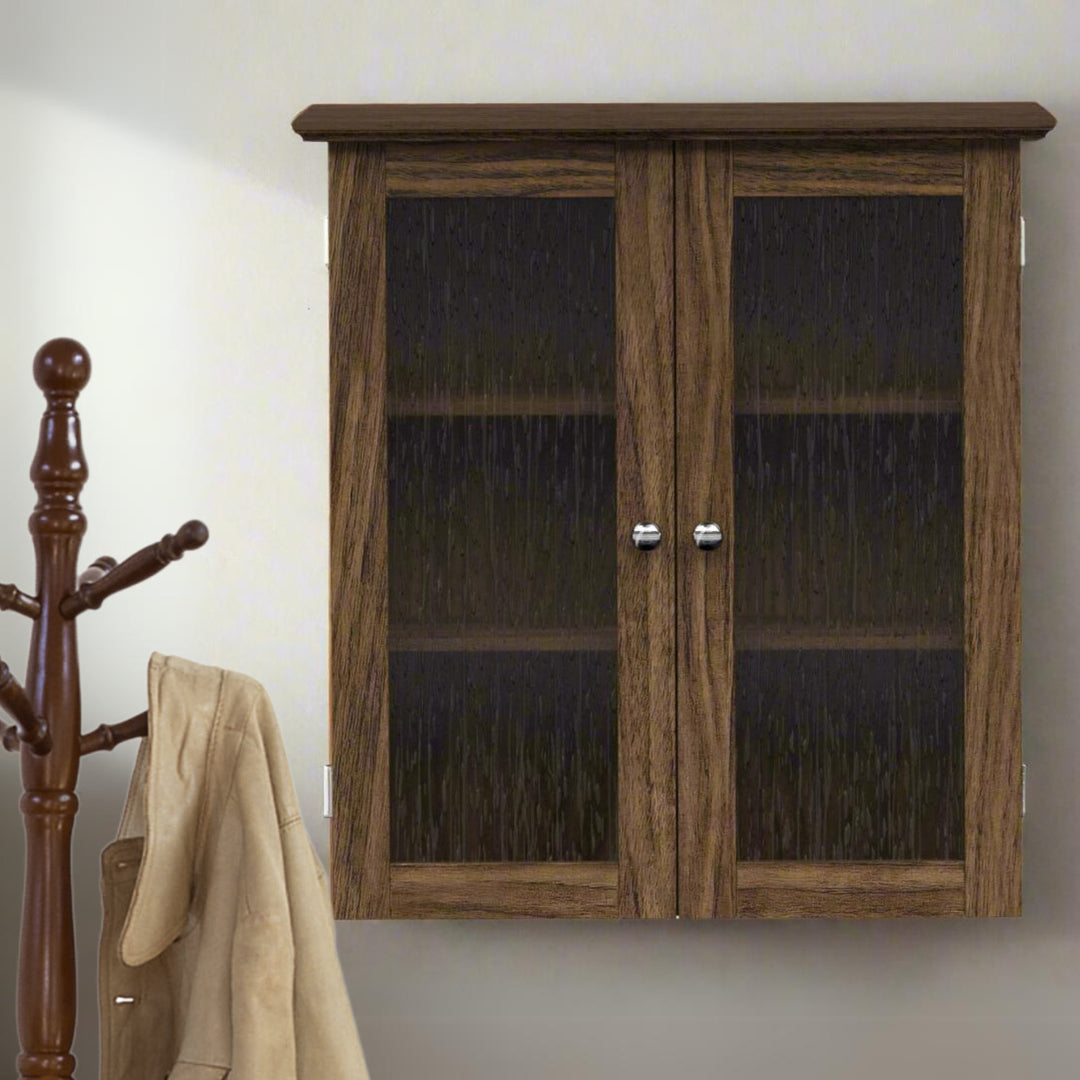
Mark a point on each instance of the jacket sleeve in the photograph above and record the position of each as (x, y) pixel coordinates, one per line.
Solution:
(326, 1040)
(294, 1002)
(263, 954)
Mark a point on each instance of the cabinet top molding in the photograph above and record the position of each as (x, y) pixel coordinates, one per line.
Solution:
(802, 120)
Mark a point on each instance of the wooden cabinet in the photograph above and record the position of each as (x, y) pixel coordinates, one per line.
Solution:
(675, 509)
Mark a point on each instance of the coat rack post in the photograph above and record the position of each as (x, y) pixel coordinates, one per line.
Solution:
(47, 988)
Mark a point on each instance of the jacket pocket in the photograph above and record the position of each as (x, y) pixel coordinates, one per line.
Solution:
(190, 1070)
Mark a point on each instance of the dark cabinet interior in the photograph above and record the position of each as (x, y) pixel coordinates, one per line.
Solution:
(848, 477)
(675, 511)
(501, 486)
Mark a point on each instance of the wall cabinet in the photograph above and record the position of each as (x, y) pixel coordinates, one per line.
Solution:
(675, 509)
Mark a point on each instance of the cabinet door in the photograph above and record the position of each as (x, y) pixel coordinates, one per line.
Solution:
(503, 714)
(848, 414)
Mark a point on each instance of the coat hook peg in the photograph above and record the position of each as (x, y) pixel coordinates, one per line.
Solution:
(12, 599)
(97, 570)
(29, 727)
(143, 564)
(107, 736)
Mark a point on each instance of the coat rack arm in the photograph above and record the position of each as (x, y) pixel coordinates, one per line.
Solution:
(13, 599)
(29, 728)
(109, 735)
(96, 570)
(140, 566)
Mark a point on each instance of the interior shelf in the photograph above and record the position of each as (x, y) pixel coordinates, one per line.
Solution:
(891, 404)
(524, 404)
(759, 638)
(502, 639)
(589, 405)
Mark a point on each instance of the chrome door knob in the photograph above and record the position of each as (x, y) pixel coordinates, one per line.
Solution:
(708, 536)
(646, 536)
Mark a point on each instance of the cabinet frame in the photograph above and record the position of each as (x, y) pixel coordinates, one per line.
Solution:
(674, 172)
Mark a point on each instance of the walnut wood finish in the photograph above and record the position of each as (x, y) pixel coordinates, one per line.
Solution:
(13, 599)
(798, 890)
(96, 570)
(493, 639)
(465, 169)
(50, 708)
(585, 890)
(849, 169)
(644, 273)
(992, 743)
(360, 733)
(108, 736)
(100, 582)
(704, 380)
(502, 405)
(29, 728)
(46, 992)
(816, 120)
(820, 637)
(851, 404)
(669, 240)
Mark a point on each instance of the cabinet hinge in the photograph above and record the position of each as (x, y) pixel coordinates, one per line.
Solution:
(328, 791)
(326, 238)
(1023, 243)
(1023, 791)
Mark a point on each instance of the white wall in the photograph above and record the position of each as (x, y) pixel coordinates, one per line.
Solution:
(155, 204)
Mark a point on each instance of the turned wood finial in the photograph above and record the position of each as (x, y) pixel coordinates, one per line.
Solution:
(61, 369)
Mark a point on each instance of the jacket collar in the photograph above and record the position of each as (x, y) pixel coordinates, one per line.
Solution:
(167, 800)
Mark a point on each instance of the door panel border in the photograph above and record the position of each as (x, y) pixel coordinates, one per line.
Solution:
(992, 726)
(705, 385)
(359, 663)
(645, 440)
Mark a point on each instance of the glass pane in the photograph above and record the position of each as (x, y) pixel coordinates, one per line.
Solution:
(849, 528)
(501, 467)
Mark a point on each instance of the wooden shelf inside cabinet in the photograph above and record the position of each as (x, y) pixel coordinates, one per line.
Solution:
(858, 404)
(760, 638)
(502, 405)
(499, 639)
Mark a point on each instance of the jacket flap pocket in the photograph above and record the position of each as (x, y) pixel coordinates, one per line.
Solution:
(189, 1070)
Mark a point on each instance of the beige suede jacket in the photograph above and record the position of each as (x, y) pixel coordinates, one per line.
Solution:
(217, 950)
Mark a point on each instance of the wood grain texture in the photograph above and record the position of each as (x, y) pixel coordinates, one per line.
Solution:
(890, 404)
(644, 269)
(504, 890)
(704, 380)
(858, 890)
(46, 990)
(577, 404)
(542, 170)
(849, 169)
(359, 725)
(757, 637)
(426, 638)
(992, 745)
(820, 120)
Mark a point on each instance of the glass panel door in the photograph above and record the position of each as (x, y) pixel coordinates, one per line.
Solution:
(848, 605)
(501, 529)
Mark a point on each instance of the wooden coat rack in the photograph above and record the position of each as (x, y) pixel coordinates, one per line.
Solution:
(48, 726)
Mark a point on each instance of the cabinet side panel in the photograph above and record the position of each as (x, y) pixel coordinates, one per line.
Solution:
(360, 854)
(992, 749)
(704, 388)
(646, 579)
